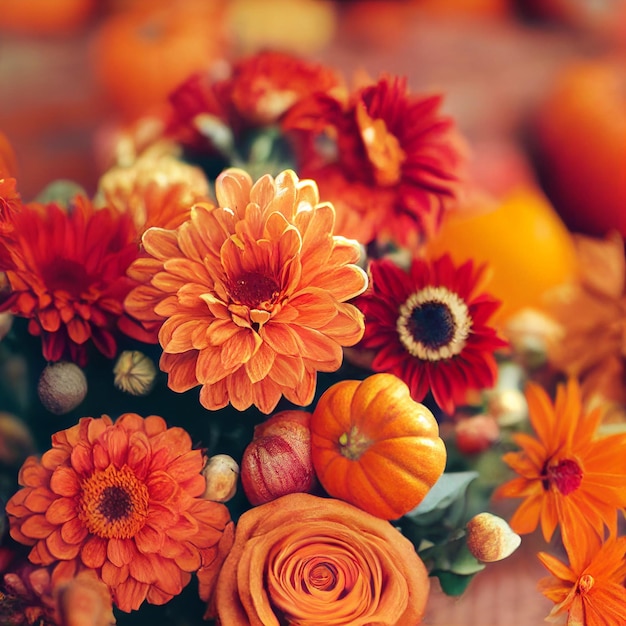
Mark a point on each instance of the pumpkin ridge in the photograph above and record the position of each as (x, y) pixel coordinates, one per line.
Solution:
(387, 491)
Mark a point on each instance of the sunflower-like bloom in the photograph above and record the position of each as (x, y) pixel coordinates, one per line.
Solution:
(252, 293)
(397, 163)
(568, 476)
(591, 589)
(67, 275)
(123, 499)
(429, 327)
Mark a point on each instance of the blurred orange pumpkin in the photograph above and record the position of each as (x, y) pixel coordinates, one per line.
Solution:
(524, 241)
(140, 56)
(44, 17)
(372, 445)
(580, 134)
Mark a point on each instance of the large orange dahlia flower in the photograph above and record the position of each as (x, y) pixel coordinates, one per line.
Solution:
(123, 499)
(67, 274)
(252, 293)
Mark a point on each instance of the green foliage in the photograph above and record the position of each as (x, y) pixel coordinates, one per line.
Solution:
(437, 530)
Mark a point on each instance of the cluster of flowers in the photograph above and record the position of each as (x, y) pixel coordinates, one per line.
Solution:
(250, 293)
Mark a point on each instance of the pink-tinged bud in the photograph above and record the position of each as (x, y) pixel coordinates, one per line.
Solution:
(85, 601)
(278, 460)
(476, 434)
(221, 472)
(489, 538)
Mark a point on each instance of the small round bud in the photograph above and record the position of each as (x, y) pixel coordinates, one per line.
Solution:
(489, 538)
(16, 441)
(278, 459)
(62, 387)
(508, 406)
(476, 434)
(6, 322)
(221, 472)
(134, 373)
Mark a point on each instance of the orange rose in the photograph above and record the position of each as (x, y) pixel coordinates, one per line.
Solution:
(306, 560)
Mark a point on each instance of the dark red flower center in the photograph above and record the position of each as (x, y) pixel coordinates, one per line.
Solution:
(254, 290)
(65, 275)
(432, 324)
(115, 503)
(566, 475)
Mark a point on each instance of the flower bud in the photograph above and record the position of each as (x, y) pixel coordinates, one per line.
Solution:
(221, 472)
(85, 601)
(62, 387)
(508, 406)
(278, 460)
(476, 434)
(489, 538)
(16, 441)
(134, 373)
(6, 322)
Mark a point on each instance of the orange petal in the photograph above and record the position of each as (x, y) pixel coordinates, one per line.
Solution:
(94, 552)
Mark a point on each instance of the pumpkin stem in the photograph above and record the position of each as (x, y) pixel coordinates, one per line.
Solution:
(353, 444)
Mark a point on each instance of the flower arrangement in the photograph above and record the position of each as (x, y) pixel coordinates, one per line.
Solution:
(260, 386)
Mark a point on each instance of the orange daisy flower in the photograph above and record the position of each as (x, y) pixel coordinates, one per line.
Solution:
(429, 327)
(568, 475)
(252, 293)
(591, 589)
(67, 275)
(396, 145)
(124, 500)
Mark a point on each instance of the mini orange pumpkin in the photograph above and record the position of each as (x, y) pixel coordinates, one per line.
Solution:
(372, 445)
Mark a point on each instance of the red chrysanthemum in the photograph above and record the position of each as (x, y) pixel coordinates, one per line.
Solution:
(394, 146)
(10, 200)
(67, 274)
(429, 326)
(252, 294)
(260, 89)
(123, 499)
(10, 203)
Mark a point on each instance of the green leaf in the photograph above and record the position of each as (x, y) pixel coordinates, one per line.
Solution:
(453, 584)
(465, 563)
(450, 487)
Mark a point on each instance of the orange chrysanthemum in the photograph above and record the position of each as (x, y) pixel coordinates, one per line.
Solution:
(568, 475)
(122, 499)
(591, 589)
(157, 189)
(400, 154)
(252, 293)
(67, 274)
